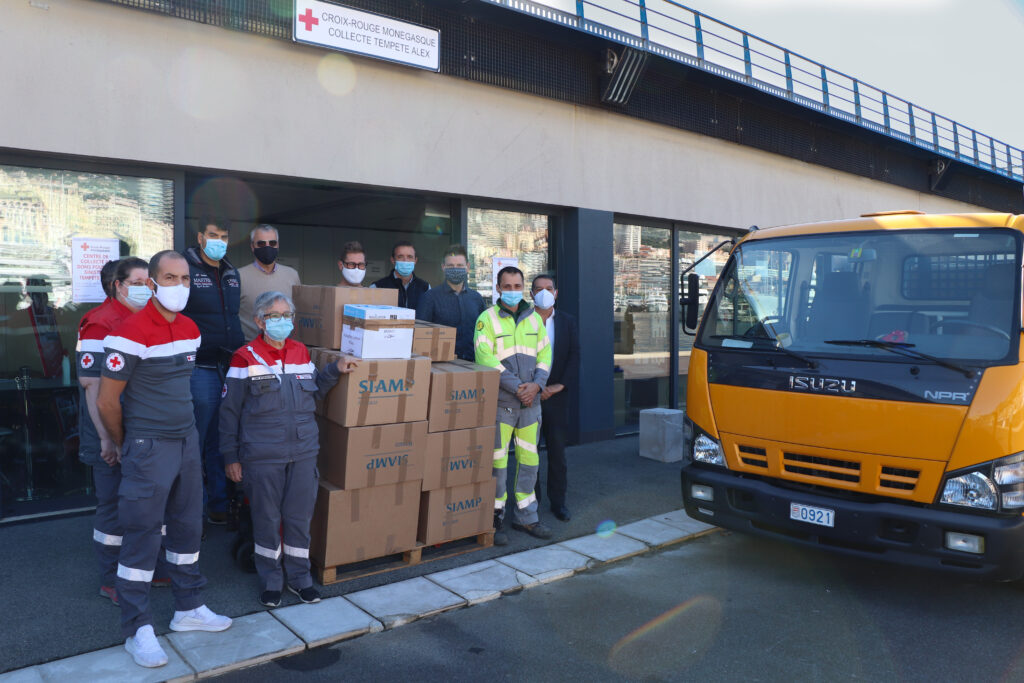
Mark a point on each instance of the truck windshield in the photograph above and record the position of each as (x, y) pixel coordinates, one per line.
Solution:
(952, 294)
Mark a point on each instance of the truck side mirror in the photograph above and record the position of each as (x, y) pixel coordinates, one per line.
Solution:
(690, 302)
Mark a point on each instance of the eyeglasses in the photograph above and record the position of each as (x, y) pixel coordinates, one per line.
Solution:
(278, 316)
(266, 243)
(353, 264)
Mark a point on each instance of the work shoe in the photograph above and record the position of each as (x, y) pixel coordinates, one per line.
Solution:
(308, 595)
(500, 535)
(218, 518)
(109, 593)
(145, 649)
(199, 619)
(271, 598)
(561, 513)
(537, 529)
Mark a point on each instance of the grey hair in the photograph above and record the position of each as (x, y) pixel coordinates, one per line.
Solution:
(261, 227)
(267, 299)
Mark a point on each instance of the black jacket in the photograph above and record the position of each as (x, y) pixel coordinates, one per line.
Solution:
(407, 298)
(213, 301)
(565, 364)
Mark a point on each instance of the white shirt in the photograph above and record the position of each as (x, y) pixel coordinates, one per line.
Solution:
(550, 325)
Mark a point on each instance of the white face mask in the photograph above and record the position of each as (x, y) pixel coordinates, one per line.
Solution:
(544, 299)
(172, 298)
(353, 276)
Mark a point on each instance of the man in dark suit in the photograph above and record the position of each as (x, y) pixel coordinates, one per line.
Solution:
(561, 391)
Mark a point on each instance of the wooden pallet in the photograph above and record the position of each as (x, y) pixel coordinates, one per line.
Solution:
(410, 558)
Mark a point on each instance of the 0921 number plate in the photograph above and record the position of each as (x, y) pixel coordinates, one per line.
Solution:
(812, 515)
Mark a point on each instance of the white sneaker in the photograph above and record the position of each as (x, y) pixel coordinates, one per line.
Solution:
(199, 619)
(145, 649)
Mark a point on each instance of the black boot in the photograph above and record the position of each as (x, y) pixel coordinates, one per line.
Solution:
(500, 535)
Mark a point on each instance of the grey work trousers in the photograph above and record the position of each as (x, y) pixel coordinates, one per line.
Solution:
(281, 497)
(161, 479)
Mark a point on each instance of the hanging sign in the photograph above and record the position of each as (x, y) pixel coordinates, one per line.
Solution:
(349, 30)
(88, 256)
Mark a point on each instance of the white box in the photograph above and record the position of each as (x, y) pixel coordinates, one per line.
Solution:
(661, 434)
(374, 331)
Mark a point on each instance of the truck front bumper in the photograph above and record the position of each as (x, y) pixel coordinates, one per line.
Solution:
(901, 533)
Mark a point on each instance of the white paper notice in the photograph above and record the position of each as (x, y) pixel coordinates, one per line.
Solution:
(88, 256)
(497, 263)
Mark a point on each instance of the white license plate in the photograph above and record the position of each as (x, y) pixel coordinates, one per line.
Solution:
(812, 515)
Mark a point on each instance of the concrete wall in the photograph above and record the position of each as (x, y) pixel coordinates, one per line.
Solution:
(87, 78)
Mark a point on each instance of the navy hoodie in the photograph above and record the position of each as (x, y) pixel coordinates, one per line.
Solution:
(213, 301)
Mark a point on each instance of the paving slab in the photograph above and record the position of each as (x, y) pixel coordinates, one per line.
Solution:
(327, 621)
(681, 520)
(251, 639)
(549, 563)
(27, 675)
(113, 665)
(483, 581)
(653, 532)
(606, 547)
(399, 603)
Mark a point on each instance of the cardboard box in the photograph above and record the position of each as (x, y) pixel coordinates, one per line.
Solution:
(434, 340)
(457, 458)
(361, 524)
(364, 457)
(377, 331)
(378, 392)
(463, 395)
(456, 512)
(319, 310)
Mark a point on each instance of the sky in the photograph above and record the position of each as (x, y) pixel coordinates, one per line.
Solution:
(962, 59)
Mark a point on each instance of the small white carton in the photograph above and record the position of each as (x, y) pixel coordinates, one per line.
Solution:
(376, 331)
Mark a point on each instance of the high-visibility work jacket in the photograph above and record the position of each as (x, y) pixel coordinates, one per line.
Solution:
(518, 346)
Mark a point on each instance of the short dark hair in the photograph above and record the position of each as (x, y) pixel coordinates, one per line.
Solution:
(126, 265)
(154, 263)
(107, 277)
(403, 243)
(511, 270)
(352, 247)
(454, 250)
(544, 276)
(220, 221)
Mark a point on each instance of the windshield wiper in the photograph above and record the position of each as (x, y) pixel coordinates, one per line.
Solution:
(902, 348)
(776, 346)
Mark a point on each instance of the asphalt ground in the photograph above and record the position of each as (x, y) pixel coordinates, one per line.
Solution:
(49, 583)
(724, 607)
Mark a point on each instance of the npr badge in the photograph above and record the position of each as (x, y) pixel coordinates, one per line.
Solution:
(115, 362)
(87, 361)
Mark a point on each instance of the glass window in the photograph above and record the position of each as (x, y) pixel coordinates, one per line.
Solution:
(642, 296)
(693, 245)
(505, 234)
(41, 212)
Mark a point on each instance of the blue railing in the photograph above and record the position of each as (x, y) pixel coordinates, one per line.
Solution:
(676, 32)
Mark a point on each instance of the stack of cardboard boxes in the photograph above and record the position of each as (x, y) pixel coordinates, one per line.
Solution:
(406, 441)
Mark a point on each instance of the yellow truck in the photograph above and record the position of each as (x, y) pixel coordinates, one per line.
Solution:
(857, 385)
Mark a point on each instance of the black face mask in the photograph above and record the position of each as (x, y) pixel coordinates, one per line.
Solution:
(265, 255)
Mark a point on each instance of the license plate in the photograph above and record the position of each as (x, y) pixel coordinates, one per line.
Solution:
(812, 515)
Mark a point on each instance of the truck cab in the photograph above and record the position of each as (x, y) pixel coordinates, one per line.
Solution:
(857, 385)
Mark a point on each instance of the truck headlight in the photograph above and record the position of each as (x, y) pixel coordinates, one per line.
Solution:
(1009, 476)
(973, 490)
(708, 451)
(995, 485)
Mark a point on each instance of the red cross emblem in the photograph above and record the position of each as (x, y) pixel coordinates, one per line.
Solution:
(308, 19)
(224, 390)
(115, 362)
(87, 361)
(85, 246)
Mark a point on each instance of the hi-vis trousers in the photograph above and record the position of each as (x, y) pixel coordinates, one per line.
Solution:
(522, 423)
(161, 479)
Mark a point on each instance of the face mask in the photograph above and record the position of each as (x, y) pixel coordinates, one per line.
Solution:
(456, 276)
(544, 299)
(353, 276)
(138, 295)
(278, 330)
(265, 255)
(215, 249)
(172, 298)
(404, 268)
(512, 298)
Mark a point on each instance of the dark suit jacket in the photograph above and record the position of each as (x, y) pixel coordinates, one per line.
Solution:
(565, 368)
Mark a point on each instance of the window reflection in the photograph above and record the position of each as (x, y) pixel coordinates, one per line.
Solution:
(503, 234)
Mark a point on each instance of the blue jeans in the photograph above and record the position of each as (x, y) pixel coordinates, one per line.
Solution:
(206, 387)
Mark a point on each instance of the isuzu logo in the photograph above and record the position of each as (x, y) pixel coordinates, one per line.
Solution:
(831, 385)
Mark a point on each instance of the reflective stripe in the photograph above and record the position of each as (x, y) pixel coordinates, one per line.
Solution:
(495, 319)
(182, 558)
(543, 366)
(526, 445)
(167, 350)
(105, 539)
(483, 341)
(499, 453)
(525, 502)
(163, 530)
(296, 552)
(90, 345)
(295, 368)
(267, 552)
(499, 504)
(129, 574)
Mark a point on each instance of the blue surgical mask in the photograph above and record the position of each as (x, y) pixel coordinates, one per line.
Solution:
(512, 298)
(278, 330)
(405, 268)
(138, 295)
(215, 249)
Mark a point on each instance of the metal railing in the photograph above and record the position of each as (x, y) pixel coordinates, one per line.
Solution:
(676, 32)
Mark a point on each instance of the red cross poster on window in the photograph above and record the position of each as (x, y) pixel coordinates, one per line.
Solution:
(88, 254)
